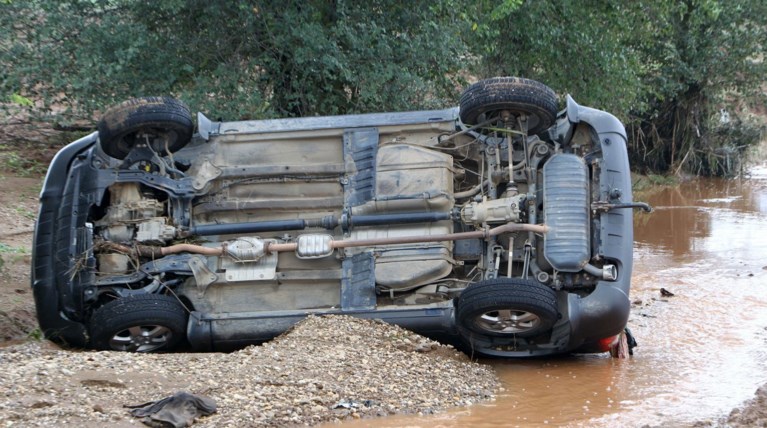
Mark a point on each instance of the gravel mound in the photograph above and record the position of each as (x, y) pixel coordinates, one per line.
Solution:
(325, 369)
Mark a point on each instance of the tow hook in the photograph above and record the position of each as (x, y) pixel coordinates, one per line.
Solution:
(602, 206)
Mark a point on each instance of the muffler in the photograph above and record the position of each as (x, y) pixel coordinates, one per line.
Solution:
(566, 212)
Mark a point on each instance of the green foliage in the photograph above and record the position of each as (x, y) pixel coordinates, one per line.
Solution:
(504, 8)
(20, 100)
(705, 62)
(235, 59)
(19, 165)
(24, 212)
(36, 334)
(576, 47)
(667, 68)
(7, 249)
(642, 184)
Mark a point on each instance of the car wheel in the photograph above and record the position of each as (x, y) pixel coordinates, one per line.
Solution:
(487, 99)
(142, 323)
(165, 123)
(507, 307)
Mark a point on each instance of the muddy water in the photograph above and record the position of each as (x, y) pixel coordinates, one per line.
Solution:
(701, 352)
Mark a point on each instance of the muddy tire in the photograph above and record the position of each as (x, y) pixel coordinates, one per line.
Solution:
(486, 99)
(165, 122)
(506, 307)
(142, 323)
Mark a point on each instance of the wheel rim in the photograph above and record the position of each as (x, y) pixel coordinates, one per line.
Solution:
(508, 321)
(141, 338)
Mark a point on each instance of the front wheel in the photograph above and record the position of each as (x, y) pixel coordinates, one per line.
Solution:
(142, 323)
(502, 98)
(163, 124)
(507, 307)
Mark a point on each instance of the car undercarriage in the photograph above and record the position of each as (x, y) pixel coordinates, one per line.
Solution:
(503, 226)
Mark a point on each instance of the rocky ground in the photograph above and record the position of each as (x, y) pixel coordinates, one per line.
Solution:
(326, 369)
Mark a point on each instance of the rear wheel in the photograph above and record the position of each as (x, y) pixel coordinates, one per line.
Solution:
(142, 323)
(507, 307)
(507, 98)
(164, 124)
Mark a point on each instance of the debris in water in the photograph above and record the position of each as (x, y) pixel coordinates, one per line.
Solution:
(624, 346)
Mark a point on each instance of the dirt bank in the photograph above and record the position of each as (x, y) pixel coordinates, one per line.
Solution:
(18, 209)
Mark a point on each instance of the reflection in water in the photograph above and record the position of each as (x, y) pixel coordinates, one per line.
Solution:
(684, 214)
(700, 353)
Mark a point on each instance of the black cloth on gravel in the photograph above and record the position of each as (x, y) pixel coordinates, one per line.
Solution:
(177, 411)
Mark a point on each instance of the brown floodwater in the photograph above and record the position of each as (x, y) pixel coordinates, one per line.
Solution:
(701, 352)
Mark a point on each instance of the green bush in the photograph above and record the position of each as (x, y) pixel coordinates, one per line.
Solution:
(666, 68)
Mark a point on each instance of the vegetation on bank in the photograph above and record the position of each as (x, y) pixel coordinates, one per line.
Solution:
(687, 77)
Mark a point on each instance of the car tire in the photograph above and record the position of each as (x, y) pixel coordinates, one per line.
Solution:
(507, 307)
(167, 123)
(141, 323)
(485, 100)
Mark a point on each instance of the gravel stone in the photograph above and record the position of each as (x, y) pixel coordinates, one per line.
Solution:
(325, 369)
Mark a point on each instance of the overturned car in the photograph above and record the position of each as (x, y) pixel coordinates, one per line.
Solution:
(503, 226)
